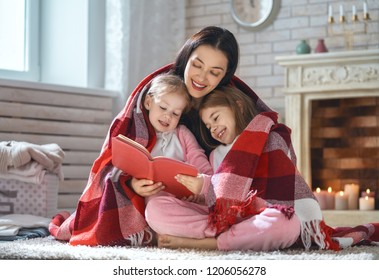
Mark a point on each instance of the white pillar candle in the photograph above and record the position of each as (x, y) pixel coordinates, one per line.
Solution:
(330, 199)
(341, 10)
(330, 11)
(366, 203)
(352, 190)
(341, 201)
(321, 198)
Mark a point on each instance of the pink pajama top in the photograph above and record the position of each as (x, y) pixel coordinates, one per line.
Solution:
(181, 144)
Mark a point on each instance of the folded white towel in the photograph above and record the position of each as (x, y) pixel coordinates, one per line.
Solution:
(48, 155)
(12, 223)
(16, 157)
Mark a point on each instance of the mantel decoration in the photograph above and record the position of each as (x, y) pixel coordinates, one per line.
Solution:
(303, 47)
(321, 48)
(346, 27)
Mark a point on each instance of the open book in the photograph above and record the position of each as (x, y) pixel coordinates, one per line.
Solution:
(134, 159)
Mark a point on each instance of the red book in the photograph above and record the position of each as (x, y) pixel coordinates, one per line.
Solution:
(134, 159)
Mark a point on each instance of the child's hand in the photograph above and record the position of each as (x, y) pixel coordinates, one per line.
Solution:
(194, 184)
(144, 187)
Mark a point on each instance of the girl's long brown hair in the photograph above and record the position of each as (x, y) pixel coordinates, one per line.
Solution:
(242, 106)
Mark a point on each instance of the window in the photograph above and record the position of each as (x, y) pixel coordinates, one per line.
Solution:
(19, 39)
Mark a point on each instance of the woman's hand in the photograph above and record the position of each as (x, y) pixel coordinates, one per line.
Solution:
(194, 184)
(144, 187)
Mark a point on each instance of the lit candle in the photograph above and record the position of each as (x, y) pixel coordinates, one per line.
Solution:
(341, 10)
(354, 10)
(341, 201)
(330, 11)
(366, 203)
(364, 8)
(352, 190)
(368, 193)
(330, 199)
(321, 198)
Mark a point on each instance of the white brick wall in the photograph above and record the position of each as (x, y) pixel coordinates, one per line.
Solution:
(296, 20)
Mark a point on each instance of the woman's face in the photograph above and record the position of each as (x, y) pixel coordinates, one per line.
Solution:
(220, 121)
(204, 70)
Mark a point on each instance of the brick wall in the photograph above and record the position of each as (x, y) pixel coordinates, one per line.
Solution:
(345, 143)
(296, 20)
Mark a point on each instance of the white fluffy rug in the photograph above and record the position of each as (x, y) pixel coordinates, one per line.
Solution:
(48, 248)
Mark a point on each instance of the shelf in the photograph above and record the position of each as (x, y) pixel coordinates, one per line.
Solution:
(339, 218)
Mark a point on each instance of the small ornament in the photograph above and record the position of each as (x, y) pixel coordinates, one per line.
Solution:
(321, 48)
(303, 48)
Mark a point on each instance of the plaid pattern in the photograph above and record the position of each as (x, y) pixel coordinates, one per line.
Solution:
(262, 165)
(109, 213)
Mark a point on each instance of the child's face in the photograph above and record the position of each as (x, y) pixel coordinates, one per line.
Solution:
(220, 121)
(165, 110)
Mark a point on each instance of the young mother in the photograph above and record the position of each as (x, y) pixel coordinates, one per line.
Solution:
(112, 211)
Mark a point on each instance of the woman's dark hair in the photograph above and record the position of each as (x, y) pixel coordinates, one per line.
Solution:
(216, 37)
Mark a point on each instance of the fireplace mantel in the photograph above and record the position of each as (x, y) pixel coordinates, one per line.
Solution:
(310, 77)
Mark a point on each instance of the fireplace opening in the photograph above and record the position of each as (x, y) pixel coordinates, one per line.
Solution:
(344, 142)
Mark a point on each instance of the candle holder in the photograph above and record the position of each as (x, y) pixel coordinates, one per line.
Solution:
(348, 28)
(366, 16)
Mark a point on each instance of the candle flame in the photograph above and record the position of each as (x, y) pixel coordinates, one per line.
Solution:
(329, 189)
(341, 193)
(368, 191)
(318, 190)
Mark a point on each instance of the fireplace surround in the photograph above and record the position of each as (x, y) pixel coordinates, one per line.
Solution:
(323, 76)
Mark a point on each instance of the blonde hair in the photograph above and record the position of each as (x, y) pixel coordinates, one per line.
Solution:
(242, 106)
(169, 83)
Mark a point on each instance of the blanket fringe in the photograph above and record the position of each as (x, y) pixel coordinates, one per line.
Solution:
(287, 211)
(316, 231)
(226, 211)
(141, 238)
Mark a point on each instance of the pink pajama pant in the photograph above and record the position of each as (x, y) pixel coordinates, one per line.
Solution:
(270, 230)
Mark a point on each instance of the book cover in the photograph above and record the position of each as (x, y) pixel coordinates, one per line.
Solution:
(134, 159)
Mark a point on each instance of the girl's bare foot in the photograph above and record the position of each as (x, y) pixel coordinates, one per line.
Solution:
(174, 242)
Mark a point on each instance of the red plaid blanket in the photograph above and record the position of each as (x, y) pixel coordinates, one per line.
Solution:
(109, 213)
(262, 164)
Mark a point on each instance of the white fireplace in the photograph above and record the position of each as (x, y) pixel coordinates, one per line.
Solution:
(311, 77)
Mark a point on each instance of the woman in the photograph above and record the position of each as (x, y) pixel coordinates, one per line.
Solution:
(109, 212)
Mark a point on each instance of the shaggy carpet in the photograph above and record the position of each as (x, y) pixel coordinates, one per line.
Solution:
(48, 248)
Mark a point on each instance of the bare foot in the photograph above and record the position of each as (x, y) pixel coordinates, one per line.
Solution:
(175, 242)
